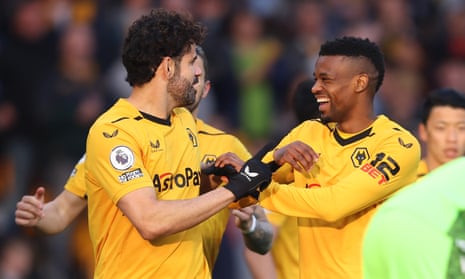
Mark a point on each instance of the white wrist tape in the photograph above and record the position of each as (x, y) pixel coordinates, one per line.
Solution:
(252, 227)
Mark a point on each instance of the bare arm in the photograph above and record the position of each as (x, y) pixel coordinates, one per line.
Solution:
(154, 218)
(256, 230)
(52, 217)
(261, 266)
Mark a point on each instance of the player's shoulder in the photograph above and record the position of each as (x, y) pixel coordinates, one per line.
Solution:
(120, 112)
(207, 129)
(385, 126)
(314, 126)
(122, 116)
(386, 130)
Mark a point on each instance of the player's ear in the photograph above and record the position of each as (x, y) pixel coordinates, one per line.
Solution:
(206, 89)
(168, 67)
(422, 132)
(361, 83)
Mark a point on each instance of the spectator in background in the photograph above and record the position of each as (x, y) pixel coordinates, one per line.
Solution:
(254, 53)
(449, 74)
(18, 258)
(306, 30)
(70, 100)
(27, 54)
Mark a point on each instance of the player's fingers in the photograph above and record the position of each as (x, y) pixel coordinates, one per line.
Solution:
(30, 201)
(29, 205)
(239, 214)
(229, 158)
(40, 194)
(306, 158)
(26, 218)
(299, 155)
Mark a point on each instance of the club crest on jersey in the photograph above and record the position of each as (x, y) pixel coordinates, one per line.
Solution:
(192, 137)
(122, 157)
(208, 159)
(359, 156)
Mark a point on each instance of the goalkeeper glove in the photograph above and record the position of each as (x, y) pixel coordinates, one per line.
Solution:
(253, 175)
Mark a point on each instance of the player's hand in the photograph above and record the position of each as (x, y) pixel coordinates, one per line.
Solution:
(213, 176)
(229, 159)
(29, 210)
(253, 176)
(243, 216)
(298, 154)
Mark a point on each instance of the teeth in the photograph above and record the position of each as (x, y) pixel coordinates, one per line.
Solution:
(322, 100)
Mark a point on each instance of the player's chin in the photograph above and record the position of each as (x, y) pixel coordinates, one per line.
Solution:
(189, 98)
(325, 117)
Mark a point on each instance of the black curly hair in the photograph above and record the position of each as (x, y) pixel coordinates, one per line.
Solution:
(161, 33)
(357, 47)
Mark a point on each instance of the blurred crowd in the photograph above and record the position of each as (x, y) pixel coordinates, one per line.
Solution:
(60, 68)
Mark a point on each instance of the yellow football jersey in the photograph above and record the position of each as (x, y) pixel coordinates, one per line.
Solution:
(76, 183)
(214, 142)
(335, 200)
(285, 249)
(422, 169)
(128, 150)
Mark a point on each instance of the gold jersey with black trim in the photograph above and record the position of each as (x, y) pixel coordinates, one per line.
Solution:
(128, 150)
(422, 169)
(336, 198)
(214, 142)
(76, 182)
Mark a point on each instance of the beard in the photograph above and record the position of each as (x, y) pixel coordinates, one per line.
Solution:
(181, 90)
(194, 105)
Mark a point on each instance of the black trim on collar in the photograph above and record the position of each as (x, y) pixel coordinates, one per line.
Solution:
(155, 119)
(357, 137)
(119, 119)
(211, 134)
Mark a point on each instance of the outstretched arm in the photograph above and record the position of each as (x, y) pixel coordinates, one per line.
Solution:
(52, 217)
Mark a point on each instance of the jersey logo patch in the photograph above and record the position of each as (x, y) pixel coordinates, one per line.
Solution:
(406, 145)
(122, 158)
(130, 175)
(192, 137)
(208, 159)
(359, 156)
(155, 146)
(107, 135)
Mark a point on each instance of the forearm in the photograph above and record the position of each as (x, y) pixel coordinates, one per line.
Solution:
(327, 203)
(258, 234)
(260, 266)
(59, 213)
(260, 238)
(53, 221)
(155, 218)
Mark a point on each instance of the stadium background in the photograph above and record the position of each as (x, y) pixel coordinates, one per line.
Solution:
(60, 67)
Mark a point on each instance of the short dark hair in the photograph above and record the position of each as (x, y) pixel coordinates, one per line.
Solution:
(357, 47)
(159, 34)
(201, 53)
(442, 97)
